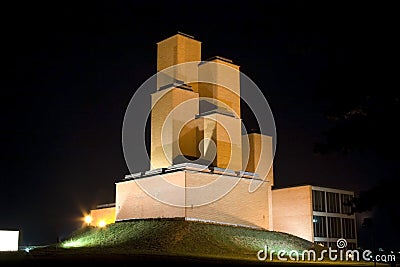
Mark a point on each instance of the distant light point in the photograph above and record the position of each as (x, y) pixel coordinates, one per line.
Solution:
(102, 223)
(88, 219)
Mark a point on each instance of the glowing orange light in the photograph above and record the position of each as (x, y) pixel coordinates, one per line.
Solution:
(102, 223)
(88, 219)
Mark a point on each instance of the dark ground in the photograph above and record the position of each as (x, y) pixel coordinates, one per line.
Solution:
(82, 258)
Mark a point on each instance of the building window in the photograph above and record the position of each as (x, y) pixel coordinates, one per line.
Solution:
(319, 223)
(333, 203)
(346, 203)
(349, 228)
(334, 227)
(318, 199)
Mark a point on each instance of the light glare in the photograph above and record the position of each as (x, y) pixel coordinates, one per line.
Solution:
(88, 219)
(102, 223)
(9, 240)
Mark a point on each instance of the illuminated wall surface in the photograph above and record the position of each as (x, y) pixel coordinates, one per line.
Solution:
(198, 120)
(9, 240)
(292, 211)
(103, 216)
(175, 50)
(172, 109)
(182, 123)
(257, 152)
(238, 206)
(315, 213)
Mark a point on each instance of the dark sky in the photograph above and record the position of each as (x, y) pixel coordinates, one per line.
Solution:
(73, 67)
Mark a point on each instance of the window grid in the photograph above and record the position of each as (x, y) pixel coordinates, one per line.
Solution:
(318, 200)
(345, 201)
(319, 223)
(334, 227)
(348, 228)
(333, 203)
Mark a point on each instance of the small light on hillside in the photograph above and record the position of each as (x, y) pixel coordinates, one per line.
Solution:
(102, 223)
(88, 219)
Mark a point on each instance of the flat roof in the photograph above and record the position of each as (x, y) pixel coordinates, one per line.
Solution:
(317, 187)
(220, 58)
(186, 35)
(107, 205)
(179, 33)
(215, 111)
(193, 168)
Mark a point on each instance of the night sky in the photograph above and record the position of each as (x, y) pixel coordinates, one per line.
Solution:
(72, 67)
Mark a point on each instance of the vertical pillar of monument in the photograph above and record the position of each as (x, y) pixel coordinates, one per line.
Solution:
(223, 83)
(258, 155)
(176, 103)
(258, 158)
(219, 92)
(171, 54)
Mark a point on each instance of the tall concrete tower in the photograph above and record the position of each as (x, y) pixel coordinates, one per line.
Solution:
(196, 118)
(171, 54)
(176, 102)
(196, 109)
(220, 111)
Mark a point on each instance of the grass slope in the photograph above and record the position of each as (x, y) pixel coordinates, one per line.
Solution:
(184, 238)
(168, 241)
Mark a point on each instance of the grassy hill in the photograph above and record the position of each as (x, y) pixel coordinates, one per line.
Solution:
(168, 241)
(183, 238)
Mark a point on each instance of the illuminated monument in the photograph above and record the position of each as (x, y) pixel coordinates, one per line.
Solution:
(196, 140)
(202, 167)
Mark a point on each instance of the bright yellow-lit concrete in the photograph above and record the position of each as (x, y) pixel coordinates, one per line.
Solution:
(258, 155)
(223, 84)
(196, 112)
(174, 130)
(237, 206)
(180, 127)
(225, 132)
(292, 211)
(175, 50)
(106, 215)
(134, 203)
(172, 109)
